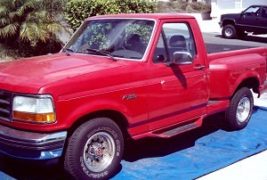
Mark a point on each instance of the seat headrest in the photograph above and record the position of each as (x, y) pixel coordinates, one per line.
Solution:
(177, 41)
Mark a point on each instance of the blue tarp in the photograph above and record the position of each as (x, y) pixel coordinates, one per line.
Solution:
(197, 153)
(187, 156)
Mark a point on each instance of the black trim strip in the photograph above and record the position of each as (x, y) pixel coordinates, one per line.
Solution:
(158, 118)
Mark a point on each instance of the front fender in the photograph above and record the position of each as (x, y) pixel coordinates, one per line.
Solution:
(228, 21)
(69, 111)
(69, 115)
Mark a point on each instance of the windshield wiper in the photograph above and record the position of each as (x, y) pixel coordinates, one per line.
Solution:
(102, 52)
(67, 51)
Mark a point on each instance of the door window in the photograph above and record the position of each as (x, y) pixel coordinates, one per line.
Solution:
(252, 11)
(176, 43)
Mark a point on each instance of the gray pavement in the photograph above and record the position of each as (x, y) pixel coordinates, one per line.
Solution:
(216, 43)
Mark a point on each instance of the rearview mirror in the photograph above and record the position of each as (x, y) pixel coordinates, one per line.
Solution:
(182, 57)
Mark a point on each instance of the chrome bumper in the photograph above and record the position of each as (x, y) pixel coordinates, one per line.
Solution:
(30, 145)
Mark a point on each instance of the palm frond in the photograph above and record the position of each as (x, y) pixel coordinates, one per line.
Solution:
(34, 33)
(54, 27)
(4, 22)
(6, 3)
(9, 30)
(3, 11)
(32, 21)
(39, 16)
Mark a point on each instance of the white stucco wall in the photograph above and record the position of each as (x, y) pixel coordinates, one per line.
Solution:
(247, 3)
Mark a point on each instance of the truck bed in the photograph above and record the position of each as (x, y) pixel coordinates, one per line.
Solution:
(233, 65)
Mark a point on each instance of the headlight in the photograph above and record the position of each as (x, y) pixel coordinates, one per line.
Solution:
(34, 109)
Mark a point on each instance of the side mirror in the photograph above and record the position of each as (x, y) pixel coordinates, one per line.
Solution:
(182, 57)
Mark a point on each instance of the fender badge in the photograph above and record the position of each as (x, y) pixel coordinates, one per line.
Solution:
(129, 97)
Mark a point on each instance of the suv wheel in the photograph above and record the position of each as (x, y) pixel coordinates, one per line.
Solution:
(229, 31)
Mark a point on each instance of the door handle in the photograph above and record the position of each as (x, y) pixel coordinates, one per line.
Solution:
(199, 67)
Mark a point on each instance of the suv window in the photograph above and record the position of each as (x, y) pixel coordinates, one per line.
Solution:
(252, 11)
(175, 37)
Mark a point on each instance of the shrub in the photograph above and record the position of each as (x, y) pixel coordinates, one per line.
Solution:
(198, 7)
(77, 11)
(183, 6)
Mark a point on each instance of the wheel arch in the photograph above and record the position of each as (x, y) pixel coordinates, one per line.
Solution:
(228, 21)
(251, 83)
(115, 116)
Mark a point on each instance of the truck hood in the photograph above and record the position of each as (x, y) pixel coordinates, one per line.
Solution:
(30, 74)
(230, 16)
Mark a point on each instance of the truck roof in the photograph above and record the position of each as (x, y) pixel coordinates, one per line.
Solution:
(261, 5)
(154, 16)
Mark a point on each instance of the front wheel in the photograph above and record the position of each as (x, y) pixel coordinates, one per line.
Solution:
(240, 109)
(229, 31)
(94, 150)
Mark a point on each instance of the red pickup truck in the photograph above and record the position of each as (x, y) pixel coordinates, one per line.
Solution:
(122, 77)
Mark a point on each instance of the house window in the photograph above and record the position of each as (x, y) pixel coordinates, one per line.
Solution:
(238, 4)
(226, 4)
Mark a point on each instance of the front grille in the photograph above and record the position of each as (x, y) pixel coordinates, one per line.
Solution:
(5, 105)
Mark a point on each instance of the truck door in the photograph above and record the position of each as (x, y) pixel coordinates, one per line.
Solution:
(178, 80)
(263, 19)
(250, 19)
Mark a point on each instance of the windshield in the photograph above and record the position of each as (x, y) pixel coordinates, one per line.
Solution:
(125, 38)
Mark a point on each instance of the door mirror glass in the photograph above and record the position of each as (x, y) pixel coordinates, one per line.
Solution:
(182, 57)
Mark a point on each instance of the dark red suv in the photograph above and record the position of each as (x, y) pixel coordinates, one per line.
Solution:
(251, 20)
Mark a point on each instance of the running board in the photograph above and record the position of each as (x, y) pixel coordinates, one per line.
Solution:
(173, 131)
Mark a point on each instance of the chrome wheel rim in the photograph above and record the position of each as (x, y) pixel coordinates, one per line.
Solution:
(228, 32)
(243, 109)
(99, 151)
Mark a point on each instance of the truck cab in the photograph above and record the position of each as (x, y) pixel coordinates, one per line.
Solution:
(121, 77)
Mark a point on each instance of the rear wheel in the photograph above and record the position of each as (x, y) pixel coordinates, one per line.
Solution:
(229, 31)
(94, 150)
(240, 109)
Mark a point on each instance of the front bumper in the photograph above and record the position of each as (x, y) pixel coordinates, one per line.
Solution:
(220, 24)
(31, 145)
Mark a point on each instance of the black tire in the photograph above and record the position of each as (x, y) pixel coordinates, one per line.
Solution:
(87, 147)
(238, 118)
(229, 31)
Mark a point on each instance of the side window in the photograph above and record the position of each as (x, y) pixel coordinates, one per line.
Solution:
(252, 11)
(161, 55)
(176, 44)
